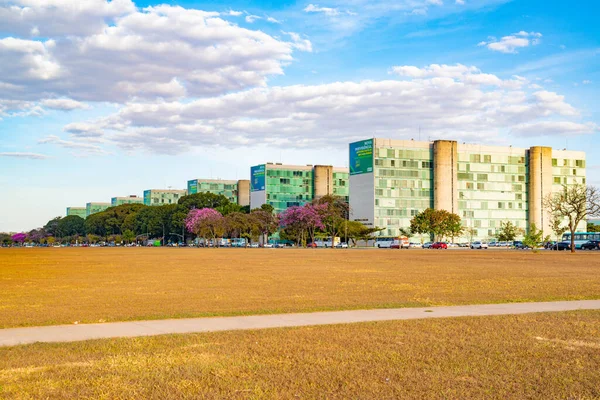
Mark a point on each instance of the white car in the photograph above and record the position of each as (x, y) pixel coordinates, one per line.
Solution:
(342, 245)
(254, 245)
(479, 245)
(268, 245)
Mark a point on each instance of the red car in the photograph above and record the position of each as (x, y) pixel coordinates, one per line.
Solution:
(439, 245)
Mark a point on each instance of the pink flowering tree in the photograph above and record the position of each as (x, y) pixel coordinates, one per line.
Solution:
(302, 222)
(205, 223)
(19, 238)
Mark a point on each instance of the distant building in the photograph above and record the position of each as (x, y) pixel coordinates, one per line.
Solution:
(393, 180)
(79, 211)
(132, 199)
(237, 192)
(284, 186)
(160, 197)
(93, 208)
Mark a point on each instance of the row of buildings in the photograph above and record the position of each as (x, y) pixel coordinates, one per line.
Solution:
(390, 181)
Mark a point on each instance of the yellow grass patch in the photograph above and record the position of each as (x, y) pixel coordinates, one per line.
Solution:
(499, 357)
(84, 285)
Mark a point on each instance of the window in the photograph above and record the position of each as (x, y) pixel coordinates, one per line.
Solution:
(554, 162)
(557, 180)
(580, 163)
(500, 205)
(487, 159)
(480, 186)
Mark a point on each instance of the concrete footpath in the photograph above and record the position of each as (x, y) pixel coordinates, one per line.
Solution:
(72, 333)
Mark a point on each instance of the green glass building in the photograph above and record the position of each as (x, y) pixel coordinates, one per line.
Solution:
(284, 186)
(79, 211)
(160, 197)
(94, 207)
(393, 180)
(237, 192)
(132, 199)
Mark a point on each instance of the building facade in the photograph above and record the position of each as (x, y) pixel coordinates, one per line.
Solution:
(160, 197)
(94, 207)
(237, 192)
(79, 211)
(284, 186)
(393, 180)
(132, 199)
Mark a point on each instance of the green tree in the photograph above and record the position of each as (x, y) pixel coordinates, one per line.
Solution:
(593, 227)
(128, 236)
(238, 225)
(264, 223)
(229, 208)
(556, 224)
(71, 225)
(508, 231)
(357, 231)
(437, 223)
(334, 214)
(203, 200)
(51, 226)
(533, 237)
(574, 203)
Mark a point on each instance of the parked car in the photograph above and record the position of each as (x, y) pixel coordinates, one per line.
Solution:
(439, 245)
(463, 245)
(412, 245)
(591, 245)
(519, 245)
(479, 245)
(254, 245)
(560, 246)
(342, 245)
(427, 245)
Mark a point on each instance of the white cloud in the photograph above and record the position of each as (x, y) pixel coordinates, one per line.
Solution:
(30, 156)
(460, 2)
(510, 44)
(555, 128)
(81, 148)
(124, 53)
(64, 104)
(300, 43)
(586, 82)
(419, 11)
(273, 20)
(312, 8)
(436, 2)
(234, 13)
(452, 101)
(252, 18)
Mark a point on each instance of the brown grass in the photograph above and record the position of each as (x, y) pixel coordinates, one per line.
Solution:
(535, 356)
(53, 286)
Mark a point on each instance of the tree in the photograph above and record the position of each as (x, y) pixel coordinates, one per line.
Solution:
(128, 236)
(593, 227)
(574, 203)
(264, 222)
(509, 231)
(556, 224)
(534, 237)
(203, 200)
(438, 223)
(238, 225)
(304, 220)
(71, 225)
(334, 212)
(19, 238)
(51, 226)
(205, 223)
(358, 231)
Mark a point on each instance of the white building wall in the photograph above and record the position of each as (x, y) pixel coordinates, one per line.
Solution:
(362, 198)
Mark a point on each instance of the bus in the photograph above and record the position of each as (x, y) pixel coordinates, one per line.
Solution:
(581, 238)
(389, 242)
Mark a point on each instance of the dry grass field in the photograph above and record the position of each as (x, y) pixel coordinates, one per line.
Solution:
(55, 286)
(541, 356)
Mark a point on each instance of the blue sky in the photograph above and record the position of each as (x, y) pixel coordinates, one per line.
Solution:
(101, 99)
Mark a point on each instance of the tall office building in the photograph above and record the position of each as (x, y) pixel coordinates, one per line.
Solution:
(132, 199)
(237, 192)
(79, 211)
(393, 180)
(95, 207)
(283, 186)
(160, 197)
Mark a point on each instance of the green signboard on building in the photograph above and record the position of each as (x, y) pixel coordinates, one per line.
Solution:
(193, 186)
(361, 157)
(257, 175)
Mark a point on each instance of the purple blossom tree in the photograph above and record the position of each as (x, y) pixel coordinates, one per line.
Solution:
(304, 221)
(205, 223)
(19, 237)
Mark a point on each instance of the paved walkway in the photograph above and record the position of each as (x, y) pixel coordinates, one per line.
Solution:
(72, 333)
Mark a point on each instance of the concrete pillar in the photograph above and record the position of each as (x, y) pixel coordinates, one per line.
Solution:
(243, 192)
(445, 175)
(540, 186)
(322, 180)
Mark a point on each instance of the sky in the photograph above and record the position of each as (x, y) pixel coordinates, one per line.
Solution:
(100, 98)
